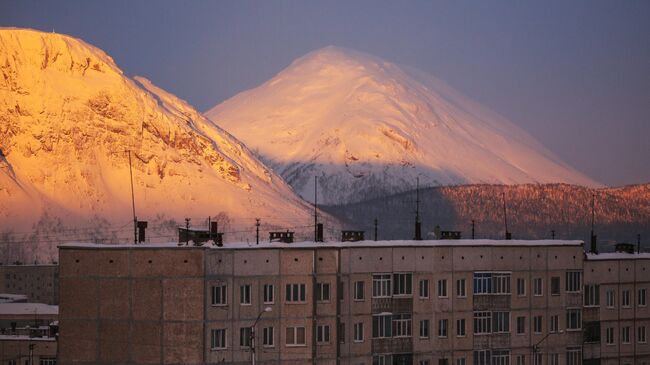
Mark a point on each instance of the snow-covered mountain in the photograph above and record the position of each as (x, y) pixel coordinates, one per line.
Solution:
(67, 116)
(367, 128)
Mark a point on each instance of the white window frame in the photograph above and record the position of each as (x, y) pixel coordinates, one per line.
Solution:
(295, 293)
(610, 298)
(358, 332)
(295, 331)
(538, 324)
(570, 321)
(245, 337)
(625, 335)
(323, 334)
(641, 334)
(521, 287)
(500, 357)
(461, 288)
(609, 336)
(443, 328)
(482, 323)
(268, 334)
(521, 324)
(424, 288)
(383, 324)
(641, 297)
(574, 356)
(425, 328)
(359, 291)
(269, 294)
(573, 281)
(214, 339)
(442, 288)
(402, 325)
(592, 295)
(323, 292)
(538, 287)
(220, 295)
(625, 298)
(402, 284)
(556, 285)
(245, 294)
(554, 325)
(461, 329)
(500, 322)
(382, 285)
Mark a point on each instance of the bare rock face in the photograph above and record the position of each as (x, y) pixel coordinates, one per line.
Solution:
(68, 116)
(368, 128)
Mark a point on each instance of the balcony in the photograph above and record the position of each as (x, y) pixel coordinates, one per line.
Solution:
(574, 300)
(492, 302)
(392, 305)
(492, 341)
(397, 345)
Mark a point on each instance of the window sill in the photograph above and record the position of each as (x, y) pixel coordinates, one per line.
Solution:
(268, 303)
(217, 349)
(268, 346)
(298, 345)
(219, 305)
(294, 303)
(358, 300)
(357, 341)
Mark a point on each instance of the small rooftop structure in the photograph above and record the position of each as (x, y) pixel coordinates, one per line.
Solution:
(12, 298)
(624, 247)
(200, 236)
(450, 235)
(281, 236)
(352, 236)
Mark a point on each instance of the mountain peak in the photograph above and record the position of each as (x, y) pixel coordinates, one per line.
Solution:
(368, 127)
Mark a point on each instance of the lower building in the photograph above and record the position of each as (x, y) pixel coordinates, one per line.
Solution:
(40, 283)
(28, 333)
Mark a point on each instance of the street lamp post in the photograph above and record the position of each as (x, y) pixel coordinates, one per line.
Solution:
(252, 339)
(536, 346)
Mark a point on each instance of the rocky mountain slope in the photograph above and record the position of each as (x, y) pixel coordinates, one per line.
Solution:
(68, 116)
(533, 211)
(367, 128)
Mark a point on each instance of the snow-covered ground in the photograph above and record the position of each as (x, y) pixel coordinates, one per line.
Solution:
(367, 128)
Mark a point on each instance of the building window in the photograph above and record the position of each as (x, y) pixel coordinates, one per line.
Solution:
(424, 288)
(491, 283)
(382, 326)
(555, 285)
(442, 288)
(537, 359)
(573, 281)
(537, 324)
(521, 287)
(381, 285)
(641, 297)
(295, 336)
(482, 357)
(610, 298)
(402, 284)
(46, 361)
(500, 322)
(625, 298)
(574, 319)
(555, 324)
(460, 327)
(500, 357)
(460, 361)
(322, 292)
(219, 295)
(245, 294)
(521, 325)
(520, 360)
(482, 322)
(625, 334)
(268, 294)
(323, 334)
(358, 332)
(609, 335)
(424, 328)
(442, 327)
(295, 293)
(460, 288)
(381, 360)
(267, 337)
(640, 334)
(537, 287)
(245, 336)
(359, 290)
(218, 339)
(424, 362)
(402, 325)
(573, 356)
(553, 359)
(592, 295)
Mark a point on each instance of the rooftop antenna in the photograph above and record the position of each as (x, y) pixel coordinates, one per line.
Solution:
(135, 219)
(505, 217)
(376, 222)
(638, 242)
(187, 231)
(315, 208)
(257, 231)
(552, 234)
(594, 239)
(473, 228)
(418, 225)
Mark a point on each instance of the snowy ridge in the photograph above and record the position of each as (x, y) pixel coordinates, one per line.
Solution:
(67, 116)
(368, 128)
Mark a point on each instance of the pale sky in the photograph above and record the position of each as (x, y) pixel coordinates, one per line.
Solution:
(575, 74)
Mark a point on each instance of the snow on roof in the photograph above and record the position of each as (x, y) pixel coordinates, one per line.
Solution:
(8, 298)
(25, 338)
(359, 244)
(28, 309)
(618, 256)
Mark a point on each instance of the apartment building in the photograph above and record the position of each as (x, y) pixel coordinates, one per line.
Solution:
(455, 302)
(40, 283)
(616, 314)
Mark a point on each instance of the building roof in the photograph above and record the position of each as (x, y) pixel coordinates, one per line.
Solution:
(11, 298)
(618, 256)
(28, 309)
(358, 244)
